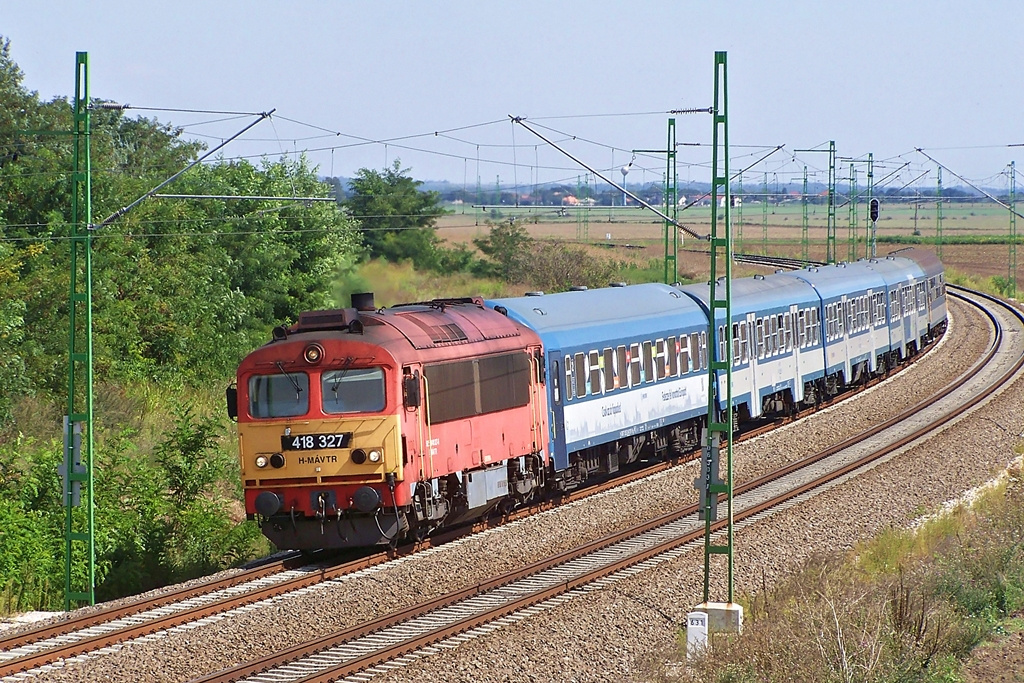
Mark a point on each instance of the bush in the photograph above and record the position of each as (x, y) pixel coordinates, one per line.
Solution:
(909, 607)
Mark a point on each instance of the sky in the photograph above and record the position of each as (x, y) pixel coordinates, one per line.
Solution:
(360, 84)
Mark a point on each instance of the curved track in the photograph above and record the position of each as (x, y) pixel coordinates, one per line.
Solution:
(400, 638)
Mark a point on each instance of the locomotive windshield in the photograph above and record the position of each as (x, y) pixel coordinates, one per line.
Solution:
(355, 390)
(284, 395)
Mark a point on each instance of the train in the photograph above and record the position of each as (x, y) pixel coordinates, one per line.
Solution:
(368, 426)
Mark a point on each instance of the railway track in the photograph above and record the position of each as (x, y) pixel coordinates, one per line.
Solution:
(402, 637)
(102, 629)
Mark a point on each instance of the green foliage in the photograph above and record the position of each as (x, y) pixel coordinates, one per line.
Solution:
(909, 606)
(508, 246)
(395, 217)
(158, 521)
(517, 258)
(555, 267)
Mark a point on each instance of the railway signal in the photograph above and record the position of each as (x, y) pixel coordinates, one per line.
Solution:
(873, 213)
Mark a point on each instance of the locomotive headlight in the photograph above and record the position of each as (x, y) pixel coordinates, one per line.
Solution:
(313, 354)
(358, 456)
(261, 461)
(374, 455)
(277, 460)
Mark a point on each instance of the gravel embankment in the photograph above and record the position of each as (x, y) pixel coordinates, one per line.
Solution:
(614, 633)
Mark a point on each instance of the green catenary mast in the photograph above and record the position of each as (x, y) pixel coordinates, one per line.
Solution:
(764, 216)
(78, 436)
(804, 236)
(719, 344)
(831, 236)
(1012, 274)
(671, 206)
(852, 237)
(938, 214)
(868, 251)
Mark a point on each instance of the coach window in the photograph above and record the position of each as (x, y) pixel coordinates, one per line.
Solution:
(596, 371)
(284, 395)
(815, 326)
(703, 340)
(556, 382)
(634, 365)
(621, 367)
(569, 377)
(580, 375)
(759, 337)
(672, 349)
(684, 355)
(609, 370)
(648, 362)
(661, 359)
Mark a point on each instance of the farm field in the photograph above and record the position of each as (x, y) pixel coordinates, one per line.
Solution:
(634, 235)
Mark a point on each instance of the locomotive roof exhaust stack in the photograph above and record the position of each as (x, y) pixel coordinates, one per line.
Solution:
(363, 301)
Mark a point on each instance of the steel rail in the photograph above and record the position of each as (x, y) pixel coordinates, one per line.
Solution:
(94, 617)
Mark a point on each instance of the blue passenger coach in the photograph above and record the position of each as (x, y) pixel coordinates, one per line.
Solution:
(776, 341)
(853, 300)
(622, 363)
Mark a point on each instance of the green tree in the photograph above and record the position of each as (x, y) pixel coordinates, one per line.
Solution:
(396, 218)
(508, 247)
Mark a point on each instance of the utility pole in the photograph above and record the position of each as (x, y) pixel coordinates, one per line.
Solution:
(79, 539)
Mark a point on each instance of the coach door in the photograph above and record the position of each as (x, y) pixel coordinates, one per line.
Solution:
(556, 398)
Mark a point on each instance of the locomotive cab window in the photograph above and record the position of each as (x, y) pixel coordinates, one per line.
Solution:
(285, 395)
(355, 390)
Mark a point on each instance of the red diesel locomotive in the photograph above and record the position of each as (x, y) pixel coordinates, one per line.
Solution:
(361, 426)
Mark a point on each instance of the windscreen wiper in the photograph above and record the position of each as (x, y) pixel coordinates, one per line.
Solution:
(298, 389)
